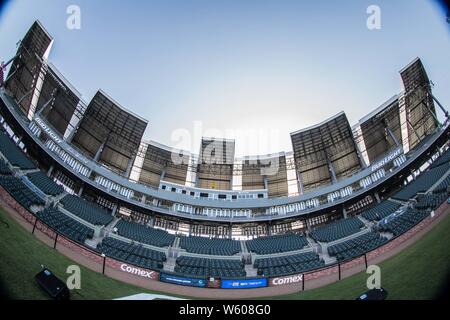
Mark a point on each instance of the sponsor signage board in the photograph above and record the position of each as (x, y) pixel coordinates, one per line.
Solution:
(193, 282)
(387, 159)
(244, 283)
(281, 281)
(153, 275)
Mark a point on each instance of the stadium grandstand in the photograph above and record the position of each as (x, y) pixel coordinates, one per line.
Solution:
(85, 171)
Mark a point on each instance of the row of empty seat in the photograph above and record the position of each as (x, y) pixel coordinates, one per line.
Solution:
(65, 225)
(356, 246)
(403, 222)
(44, 183)
(213, 246)
(277, 243)
(443, 159)
(380, 210)
(431, 201)
(4, 169)
(422, 183)
(202, 267)
(337, 230)
(443, 187)
(135, 254)
(14, 155)
(284, 265)
(144, 234)
(88, 211)
(19, 191)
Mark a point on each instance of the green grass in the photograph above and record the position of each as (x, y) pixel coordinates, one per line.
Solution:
(21, 256)
(416, 273)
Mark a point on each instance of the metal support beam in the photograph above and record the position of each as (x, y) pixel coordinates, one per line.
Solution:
(11, 60)
(100, 150)
(266, 184)
(25, 96)
(163, 174)
(301, 189)
(80, 192)
(130, 166)
(391, 134)
(44, 107)
(331, 169)
(114, 210)
(414, 130)
(440, 105)
(431, 112)
(377, 197)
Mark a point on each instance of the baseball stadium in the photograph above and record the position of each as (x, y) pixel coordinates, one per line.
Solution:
(82, 185)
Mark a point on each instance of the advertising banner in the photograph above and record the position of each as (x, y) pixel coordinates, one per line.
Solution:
(164, 277)
(280, 281)
(244, 283)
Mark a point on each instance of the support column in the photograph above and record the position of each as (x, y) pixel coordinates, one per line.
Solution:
(114, 210)
(25, 96)
(163, 174)
(391, 134)
(431, 112)
(440, 105)
(377, 197)
(300, 187)
(130, 166)
(50, 171)
(38, 114)
(99, 151)
(344, 212)
(80, 192)
(414, 130)
(266, 184)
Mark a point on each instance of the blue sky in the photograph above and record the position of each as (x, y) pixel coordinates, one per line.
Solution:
(271, 67)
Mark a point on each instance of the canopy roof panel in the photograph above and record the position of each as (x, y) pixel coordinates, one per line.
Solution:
(419, 104)
(381, 130)
(163, 163)
(26, 66)
(215, 164)
(110, 132)
(324, 152)
(57, 100)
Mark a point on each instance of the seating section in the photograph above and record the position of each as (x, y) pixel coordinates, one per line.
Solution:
(45, 184)
(4, 169)
(422, 183)
(14, 155)
(144, 234)
(443, 159)
(297, 263)
(431, 201)
(217, 268)
(337, 230)
(133, 253)
(19, 191)
(278, 243)
(88, 211)
(65, 225)
(202, 245)
(380, 210)
(402, 223)
(443, 187)
(357, 246)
